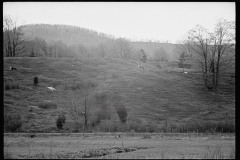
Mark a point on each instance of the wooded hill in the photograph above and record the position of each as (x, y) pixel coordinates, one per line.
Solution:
(72, 36)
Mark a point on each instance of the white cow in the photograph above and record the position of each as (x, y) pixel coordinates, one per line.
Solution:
(51, 89)
(140, 66)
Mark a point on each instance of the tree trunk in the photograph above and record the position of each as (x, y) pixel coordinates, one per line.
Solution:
(85, 113)
(217, 71)
(213, 75)
(205, 74)
(183, 67)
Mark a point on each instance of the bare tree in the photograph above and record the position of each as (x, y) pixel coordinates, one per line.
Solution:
(12, 37)
(144, 56)
(210, 49)
(87, 88)
(182, 59)
(122, 48)
(161, 54)
(103, 49)
(223, 43)
(86, 91)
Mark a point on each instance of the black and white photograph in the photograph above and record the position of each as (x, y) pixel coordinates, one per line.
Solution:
(119, 80)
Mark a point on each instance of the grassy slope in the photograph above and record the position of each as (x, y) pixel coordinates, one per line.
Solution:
(153, 94)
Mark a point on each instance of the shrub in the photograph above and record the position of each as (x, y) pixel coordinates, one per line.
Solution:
(59, 123)
(35, 80)
(135, 124)
(11, 85)
(62, 118)
(181, 65)
(206, 127)
(15, 86)
(12, 122)
(47, 105)
(8, 86)
(122, 113)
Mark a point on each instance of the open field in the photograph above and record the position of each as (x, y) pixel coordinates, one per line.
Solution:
(128, 145)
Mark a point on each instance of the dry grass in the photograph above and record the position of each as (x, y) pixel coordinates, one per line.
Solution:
(108, 146)
(217, 153)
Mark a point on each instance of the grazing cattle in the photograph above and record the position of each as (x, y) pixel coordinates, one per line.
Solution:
(140, 66)
(12, 69)
(118, 136)
(51, 89)
(32, 136)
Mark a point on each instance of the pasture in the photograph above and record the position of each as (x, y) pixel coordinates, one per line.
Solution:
(161, 101)
(152, 96)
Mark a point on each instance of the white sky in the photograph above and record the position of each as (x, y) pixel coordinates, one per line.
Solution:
(132, 20)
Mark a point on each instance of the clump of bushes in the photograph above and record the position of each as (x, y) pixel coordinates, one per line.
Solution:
(181, 65)
(11, 85)
(12, 122)
(122, 113)
(47, 105)
(204, 127)
(59, 123)
(103, 111)
(62, 118)
(35, 80)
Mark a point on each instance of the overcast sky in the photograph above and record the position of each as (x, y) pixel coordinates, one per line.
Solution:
(132, 20)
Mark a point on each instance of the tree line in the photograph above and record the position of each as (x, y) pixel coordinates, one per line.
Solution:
(17, 45)
(213, 52)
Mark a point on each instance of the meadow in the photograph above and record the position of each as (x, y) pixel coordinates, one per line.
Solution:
(160, 97)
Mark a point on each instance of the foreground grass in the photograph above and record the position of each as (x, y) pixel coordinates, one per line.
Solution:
(107, 146)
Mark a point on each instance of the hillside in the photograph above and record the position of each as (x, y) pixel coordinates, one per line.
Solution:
(151, 96)
(72, 35)
(69, 35)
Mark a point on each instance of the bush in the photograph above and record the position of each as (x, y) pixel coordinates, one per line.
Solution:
(181, 65)
(12, 122)
(122, 113)
(35, 80)
(15, 86)
(62, 118)
(135, 124)
(205, 127)
(8, 86)
(59, 123)
(47, 105)
(11, 85)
